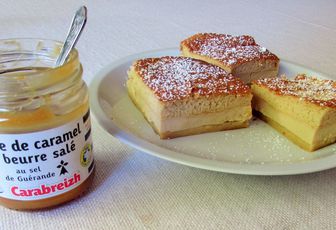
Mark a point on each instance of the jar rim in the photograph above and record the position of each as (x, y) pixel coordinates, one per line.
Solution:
(27, 67)
(72, 56)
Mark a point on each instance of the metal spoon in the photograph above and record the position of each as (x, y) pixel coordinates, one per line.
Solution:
(77, 26)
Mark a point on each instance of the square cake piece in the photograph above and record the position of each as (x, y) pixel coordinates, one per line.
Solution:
(182, 96)
(302, 109)
(239, 55)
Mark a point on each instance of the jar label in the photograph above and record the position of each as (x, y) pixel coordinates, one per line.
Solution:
(47, 163)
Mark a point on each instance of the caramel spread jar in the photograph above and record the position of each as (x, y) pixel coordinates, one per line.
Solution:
(45, 131)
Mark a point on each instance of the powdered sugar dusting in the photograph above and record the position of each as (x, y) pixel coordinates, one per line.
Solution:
(312, 89)
(174, 78)
(230, 50)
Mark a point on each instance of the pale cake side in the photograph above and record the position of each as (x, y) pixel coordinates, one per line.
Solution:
(303, 109)
(182, 96)
(239, 55)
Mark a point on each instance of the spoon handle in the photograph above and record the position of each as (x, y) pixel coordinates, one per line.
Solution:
(77, 25)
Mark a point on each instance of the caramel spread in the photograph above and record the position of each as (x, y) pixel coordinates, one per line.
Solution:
(176, 78)
(39, 119)
(27, 118)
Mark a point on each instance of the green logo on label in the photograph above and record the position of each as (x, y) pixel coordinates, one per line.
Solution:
(86, 155)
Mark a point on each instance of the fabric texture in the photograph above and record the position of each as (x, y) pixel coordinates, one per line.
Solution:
(133, 190)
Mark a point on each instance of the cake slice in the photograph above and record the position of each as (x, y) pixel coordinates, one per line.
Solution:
(302, 109)
(239, 55)
(182, 96)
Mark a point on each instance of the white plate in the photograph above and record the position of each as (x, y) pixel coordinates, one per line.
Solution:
(257, 150)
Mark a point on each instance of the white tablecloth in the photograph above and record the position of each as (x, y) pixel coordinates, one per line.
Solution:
(133, 190)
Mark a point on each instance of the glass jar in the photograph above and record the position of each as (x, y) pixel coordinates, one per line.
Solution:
(45, 131)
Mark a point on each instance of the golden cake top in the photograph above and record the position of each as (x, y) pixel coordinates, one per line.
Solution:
(228, 49)
(318, 91)
(175, 78)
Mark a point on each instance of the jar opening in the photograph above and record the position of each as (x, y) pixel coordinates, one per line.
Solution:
(27, 67)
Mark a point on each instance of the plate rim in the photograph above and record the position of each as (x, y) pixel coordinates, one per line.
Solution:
(144, 146)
